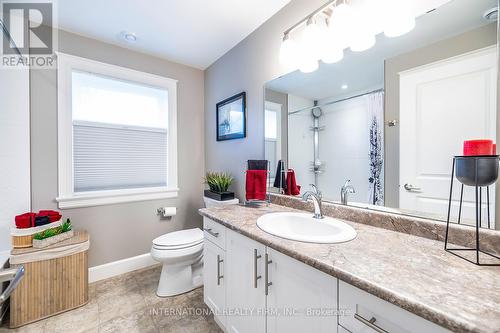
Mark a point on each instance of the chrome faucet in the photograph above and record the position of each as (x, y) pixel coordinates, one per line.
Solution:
(14, 275)
(316, 196)
(345, 191)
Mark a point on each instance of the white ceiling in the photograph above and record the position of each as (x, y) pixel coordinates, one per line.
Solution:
(364, 71)
(191, 32)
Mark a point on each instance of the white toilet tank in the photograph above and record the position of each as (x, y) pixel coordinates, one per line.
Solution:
(209, 202)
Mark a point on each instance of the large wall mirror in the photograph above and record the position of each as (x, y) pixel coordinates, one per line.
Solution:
(391, 118)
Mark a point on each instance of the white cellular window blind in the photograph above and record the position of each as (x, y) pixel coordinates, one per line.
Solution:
(112, 147)
(117, 135)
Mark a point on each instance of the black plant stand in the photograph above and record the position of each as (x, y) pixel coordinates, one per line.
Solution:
(477, 171)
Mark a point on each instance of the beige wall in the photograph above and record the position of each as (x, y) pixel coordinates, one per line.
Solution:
(247, 67)
(122, 230)
(469, 41)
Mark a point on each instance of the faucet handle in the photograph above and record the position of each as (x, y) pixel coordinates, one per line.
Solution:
(316, 190)
(347, 183)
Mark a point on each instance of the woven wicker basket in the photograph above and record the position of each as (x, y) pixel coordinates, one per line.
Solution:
(23, 238)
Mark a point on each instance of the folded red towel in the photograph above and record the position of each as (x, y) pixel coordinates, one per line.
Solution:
(26, 220)
(478, 147)
(256, 184)
(53, 215)
(291, 183)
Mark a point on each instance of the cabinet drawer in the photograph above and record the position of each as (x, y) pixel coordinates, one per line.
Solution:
(365, 313)
(214, 232)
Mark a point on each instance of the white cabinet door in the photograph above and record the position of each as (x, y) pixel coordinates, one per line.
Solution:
(365, 313)
(214, 284)
(301, 298)
(246, 300)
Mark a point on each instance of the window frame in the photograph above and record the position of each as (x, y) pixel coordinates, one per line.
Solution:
(67, 197)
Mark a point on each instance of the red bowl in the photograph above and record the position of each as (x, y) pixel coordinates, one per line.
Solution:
(478, 147)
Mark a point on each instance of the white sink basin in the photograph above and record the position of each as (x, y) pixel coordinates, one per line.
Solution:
(303, 227)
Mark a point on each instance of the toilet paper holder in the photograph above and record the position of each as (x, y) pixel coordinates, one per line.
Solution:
(166, 211)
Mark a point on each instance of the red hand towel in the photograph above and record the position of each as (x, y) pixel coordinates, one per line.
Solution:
(478, 147)
(53, 215)
(291, 183)
(26, 220)
(256, 184)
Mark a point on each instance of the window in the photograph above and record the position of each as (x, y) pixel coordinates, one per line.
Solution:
(117, 134)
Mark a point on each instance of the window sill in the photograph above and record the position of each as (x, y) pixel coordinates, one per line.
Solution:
(90, 199)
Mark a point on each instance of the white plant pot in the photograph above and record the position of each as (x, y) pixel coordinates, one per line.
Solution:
(41, 243)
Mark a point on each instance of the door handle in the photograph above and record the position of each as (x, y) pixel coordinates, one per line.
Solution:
(219, 277)
(411, 188)
(209, 230)
(255, 276)
(370, 323)
(267, 284)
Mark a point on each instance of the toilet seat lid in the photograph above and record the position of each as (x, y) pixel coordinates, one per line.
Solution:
(180, 238)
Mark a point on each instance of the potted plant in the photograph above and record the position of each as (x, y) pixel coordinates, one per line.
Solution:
(219, 183)
(54, 235)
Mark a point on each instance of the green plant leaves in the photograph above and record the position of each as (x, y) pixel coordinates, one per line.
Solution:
(218, 181)
(66, 226)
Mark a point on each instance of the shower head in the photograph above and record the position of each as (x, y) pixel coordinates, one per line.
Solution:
(316, 112)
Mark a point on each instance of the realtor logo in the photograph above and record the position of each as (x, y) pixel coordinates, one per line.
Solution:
(28, 33)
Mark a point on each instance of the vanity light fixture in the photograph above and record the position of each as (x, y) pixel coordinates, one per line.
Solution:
(345, 26)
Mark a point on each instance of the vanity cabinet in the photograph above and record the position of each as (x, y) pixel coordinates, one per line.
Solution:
(255, 289)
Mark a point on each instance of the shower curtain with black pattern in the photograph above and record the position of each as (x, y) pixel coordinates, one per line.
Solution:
(376, 176)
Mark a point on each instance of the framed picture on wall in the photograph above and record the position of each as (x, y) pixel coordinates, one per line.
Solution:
(231, 118)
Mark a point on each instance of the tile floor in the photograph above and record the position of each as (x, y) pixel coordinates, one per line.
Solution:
(128, 303)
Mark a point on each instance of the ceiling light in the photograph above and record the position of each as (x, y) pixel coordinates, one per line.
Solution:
(129, 37)
(344, 86)
(491, 14)
(288, 52)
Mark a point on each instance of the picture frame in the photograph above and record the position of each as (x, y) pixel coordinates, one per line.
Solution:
(231, 118)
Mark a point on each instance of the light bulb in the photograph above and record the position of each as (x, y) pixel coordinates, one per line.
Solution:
(313, 38)
(399, 19)
(308, 64)
(332, 53)
(288, 52)
(341, 24)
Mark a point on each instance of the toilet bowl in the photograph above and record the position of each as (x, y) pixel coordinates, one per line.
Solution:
(181, 254)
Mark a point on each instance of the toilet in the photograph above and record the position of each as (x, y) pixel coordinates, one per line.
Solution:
(181, 254)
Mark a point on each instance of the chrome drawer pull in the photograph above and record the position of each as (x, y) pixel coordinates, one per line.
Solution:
(267, 284)
(219, 277)
(370, 323)
(209, 230)
(255, 276)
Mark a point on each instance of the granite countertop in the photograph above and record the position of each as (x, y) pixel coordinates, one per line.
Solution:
(412, 272)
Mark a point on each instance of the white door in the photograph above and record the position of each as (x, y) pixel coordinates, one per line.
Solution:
(246, 299)
(14, 151)
(301, 298)
(214, 285)
(441, 105)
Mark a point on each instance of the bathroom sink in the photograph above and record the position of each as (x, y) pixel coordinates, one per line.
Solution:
(303, 227)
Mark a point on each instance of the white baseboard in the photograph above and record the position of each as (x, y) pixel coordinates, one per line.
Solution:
(115, 268)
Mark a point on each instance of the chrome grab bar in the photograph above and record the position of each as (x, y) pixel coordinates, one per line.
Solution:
(370, 323)
(209, 230)
(14, 275)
